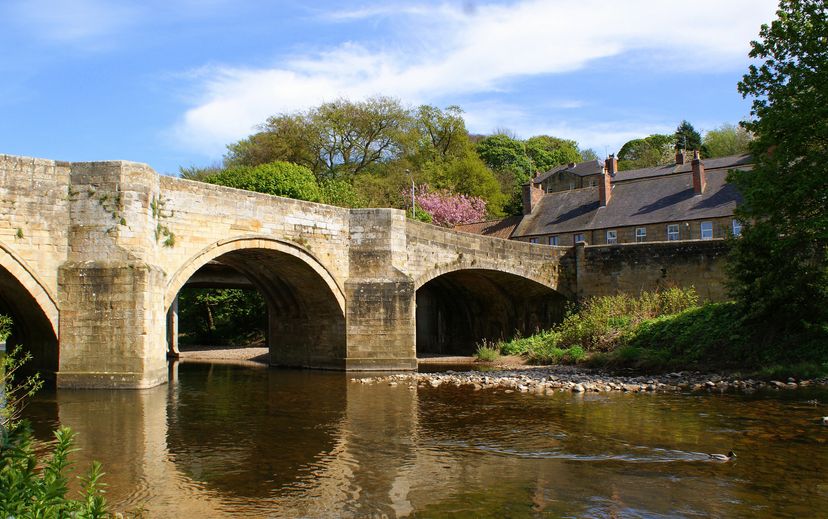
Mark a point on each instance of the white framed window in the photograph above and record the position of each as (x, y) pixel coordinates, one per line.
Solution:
(533, 240)
(553, 240)
(571, 186)
(640, 234)
(672, 232)
(593, 183)
(737, 227)
(578, 237)
(706, 230)
(612, 237)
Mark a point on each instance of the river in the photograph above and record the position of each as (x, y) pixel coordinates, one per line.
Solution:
(231, 441)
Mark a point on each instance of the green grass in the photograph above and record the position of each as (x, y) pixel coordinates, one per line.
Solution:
(487, 352)
(669, 330)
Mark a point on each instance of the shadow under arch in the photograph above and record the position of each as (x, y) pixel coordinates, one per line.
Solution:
(305, 304)
(459, 309)
(32, 307)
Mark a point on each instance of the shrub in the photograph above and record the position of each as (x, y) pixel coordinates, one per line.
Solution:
(487, 352)
(5, 327)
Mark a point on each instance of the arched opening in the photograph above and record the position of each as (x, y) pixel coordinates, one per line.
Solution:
(303, 309)
(31, 327)
(456, 311)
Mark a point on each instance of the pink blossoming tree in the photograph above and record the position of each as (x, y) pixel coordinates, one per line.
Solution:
(448, 209)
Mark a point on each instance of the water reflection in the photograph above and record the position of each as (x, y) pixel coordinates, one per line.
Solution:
(227, 441)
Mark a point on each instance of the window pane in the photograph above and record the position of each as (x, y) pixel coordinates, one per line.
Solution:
(673, 232)
(553, 240)
(707, 230)
(641, 234)
(612, 237)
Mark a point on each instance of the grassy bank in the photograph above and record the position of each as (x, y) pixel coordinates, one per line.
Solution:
(670, 330)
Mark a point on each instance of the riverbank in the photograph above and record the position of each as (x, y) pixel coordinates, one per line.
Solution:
(552, 379)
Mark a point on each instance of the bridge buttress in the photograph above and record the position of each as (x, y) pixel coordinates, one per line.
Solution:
(380, 324)
(111, 295)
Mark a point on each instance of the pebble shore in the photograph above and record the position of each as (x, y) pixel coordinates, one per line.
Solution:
(544, 380)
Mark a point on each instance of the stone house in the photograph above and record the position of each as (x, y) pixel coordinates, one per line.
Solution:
(597, 204)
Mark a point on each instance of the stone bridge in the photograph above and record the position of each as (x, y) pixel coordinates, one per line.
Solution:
(94, 254)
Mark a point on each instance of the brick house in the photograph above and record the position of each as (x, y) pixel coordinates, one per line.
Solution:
(596, 203)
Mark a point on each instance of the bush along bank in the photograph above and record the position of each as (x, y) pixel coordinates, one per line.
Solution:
(669, 330)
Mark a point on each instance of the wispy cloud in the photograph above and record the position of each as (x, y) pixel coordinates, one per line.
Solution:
(448, 51)
(81, 22)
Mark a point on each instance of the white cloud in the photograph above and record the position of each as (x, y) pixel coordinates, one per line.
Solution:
(447, 51)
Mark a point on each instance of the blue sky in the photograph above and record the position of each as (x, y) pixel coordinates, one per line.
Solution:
(171, 82)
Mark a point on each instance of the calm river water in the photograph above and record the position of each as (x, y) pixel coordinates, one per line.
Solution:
(228, 441)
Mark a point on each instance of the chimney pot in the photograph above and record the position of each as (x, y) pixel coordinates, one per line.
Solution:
(679, 157)
(611, 165)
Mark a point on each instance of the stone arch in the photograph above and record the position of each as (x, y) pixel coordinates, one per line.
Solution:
(305, 303)
(34, 311)
(460, 307)
(25, 276)
(180, 277)
(441, 270)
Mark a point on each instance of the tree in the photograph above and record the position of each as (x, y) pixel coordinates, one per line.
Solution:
(441, 133)
(650, 151)
(589, 154)
(687, 138)
(547, 152)
(338, 139)
(779, 266)
(448, 209)
(275, 178)
(728, 139)
(504, 153)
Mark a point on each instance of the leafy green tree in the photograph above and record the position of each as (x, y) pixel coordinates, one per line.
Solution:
(589, 154)
(779, 266)
(441, 133)
(726, 140)
(340, 193)
(650, 151)
(275, 178)
(468, 175)
(686, 137)
(338, 139)
(547, 152)
(502, 152)
(221, 316)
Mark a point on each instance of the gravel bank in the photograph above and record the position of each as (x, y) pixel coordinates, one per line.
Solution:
(543, 380)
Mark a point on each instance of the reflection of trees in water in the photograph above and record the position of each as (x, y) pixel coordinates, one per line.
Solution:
(247, 432)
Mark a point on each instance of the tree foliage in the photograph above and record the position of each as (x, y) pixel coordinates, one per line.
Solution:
(650, 151)
(687, 138)
(221, 316)
(727, 139)
(274, 178)
(779, 267)
(337, 139)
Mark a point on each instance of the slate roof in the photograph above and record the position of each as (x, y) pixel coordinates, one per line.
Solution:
(581, 169)
(501, 228)
(733, 161)
(639, 197)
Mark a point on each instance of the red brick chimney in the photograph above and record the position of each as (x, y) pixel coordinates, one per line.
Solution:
(611, 165)
(604, 189)
(679, 157)
(532, 194)
(699, 181)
